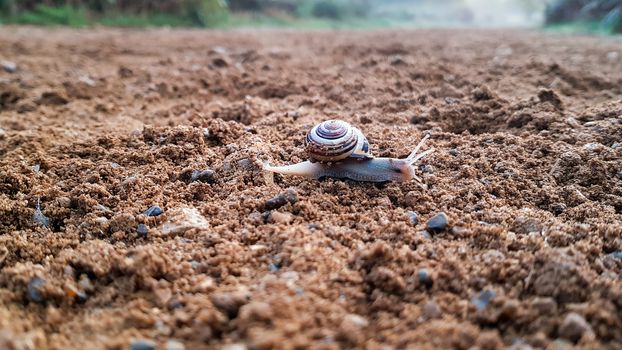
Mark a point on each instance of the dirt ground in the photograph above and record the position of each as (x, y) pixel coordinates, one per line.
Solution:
(99, 125)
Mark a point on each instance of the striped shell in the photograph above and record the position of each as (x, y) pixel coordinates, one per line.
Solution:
(335, 140)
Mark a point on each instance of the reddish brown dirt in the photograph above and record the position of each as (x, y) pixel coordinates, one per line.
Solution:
(101, 124)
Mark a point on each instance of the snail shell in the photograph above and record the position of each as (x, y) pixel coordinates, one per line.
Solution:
(335, 140)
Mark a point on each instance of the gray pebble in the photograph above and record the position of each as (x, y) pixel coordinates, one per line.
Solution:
(33, 289)
(114, 165)
(143, 344)
(425, 278)
(484, 298)
(289, 196)
(202, 175)
(412, 216)
(8, 66)
(174, 345)
(154, 211)
(142, 230)
(454, 152)
(431, 310)
(617, 255)
(438, 222)
(573, 327)
(616, 145)
(426, 169)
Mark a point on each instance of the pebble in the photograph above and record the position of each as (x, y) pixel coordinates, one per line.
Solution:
(154, 211)
(617, 255)
(206, 175)
(2, 133)
(438, 222)
(289, 196)
(425, 278)
(114, 165)
(426, 169)
(544, 305)
(142, 230)
(236, 346)
(174, 345)
(616, 145)
(33, 289)
(431, 310)
(64, 202)
(356, 320)
(454, 152)
(219, 62)
(8, 66)
(484, 298)
(182, 219)
(412, 216)
(573, 327)
(280, 218)
(142, 344)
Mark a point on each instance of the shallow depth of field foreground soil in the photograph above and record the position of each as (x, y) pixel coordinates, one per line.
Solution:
(100, 125)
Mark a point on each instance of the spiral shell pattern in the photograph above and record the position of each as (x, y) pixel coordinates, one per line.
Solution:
(335, 140)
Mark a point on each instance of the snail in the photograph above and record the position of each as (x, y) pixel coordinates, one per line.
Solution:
(337, 149)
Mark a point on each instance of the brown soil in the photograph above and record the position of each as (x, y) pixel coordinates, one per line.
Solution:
(99, 125)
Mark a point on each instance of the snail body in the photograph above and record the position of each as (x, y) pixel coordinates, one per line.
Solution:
(324, 143)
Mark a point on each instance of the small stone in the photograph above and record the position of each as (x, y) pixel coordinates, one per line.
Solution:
(412, 217)
(280, 218)
(431, 310)
(616, 145)
(593, 146)
(425, 278)
(230, 303)
(454, 152)
(313, 227)
(219, 62)
(544, 305)
(8, 66)
(114, 165)
(438, 222)
(182, 219)
(63, 202)
(547, 95)
(52, 98)
(484, 298)
(34, 289)
(356, 320)
(236, 346)
(174, 345)
(525, 225)
(125, 72)
(290, 196)
(573, 327)
(142, 344)
(2, 134)
(154, 211)
(36, 168)
(426, 169)
(142, 230)
(617, 255)
(206, 175)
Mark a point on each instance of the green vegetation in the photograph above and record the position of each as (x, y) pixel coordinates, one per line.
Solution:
(592, 16)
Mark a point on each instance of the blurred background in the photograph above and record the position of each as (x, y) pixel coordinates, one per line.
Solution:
(601, 16)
